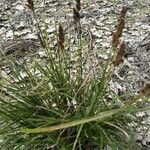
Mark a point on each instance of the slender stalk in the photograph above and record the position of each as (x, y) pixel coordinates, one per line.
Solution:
(100, 117)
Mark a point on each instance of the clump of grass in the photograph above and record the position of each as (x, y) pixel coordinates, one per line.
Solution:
(43, 106)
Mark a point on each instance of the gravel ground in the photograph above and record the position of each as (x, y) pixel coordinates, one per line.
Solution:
(98, 19)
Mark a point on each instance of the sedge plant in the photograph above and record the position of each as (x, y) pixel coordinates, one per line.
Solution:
(44, 105)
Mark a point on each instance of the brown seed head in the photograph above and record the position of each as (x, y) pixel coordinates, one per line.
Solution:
(78, 5)
(30, 5)
(76, 15)
(145, 91)
(61, 38)
(119, 57)
(115, 41)
(119, 28)
(123, 12)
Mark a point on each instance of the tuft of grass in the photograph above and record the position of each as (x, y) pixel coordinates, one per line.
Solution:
(43, 105)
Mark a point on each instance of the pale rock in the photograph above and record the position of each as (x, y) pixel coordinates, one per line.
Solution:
(9, 34)
(50, 30)
(19, 7)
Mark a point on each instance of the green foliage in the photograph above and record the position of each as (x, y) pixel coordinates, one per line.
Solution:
(50, 95)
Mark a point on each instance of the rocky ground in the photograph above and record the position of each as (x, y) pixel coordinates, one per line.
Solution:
(98, 19)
